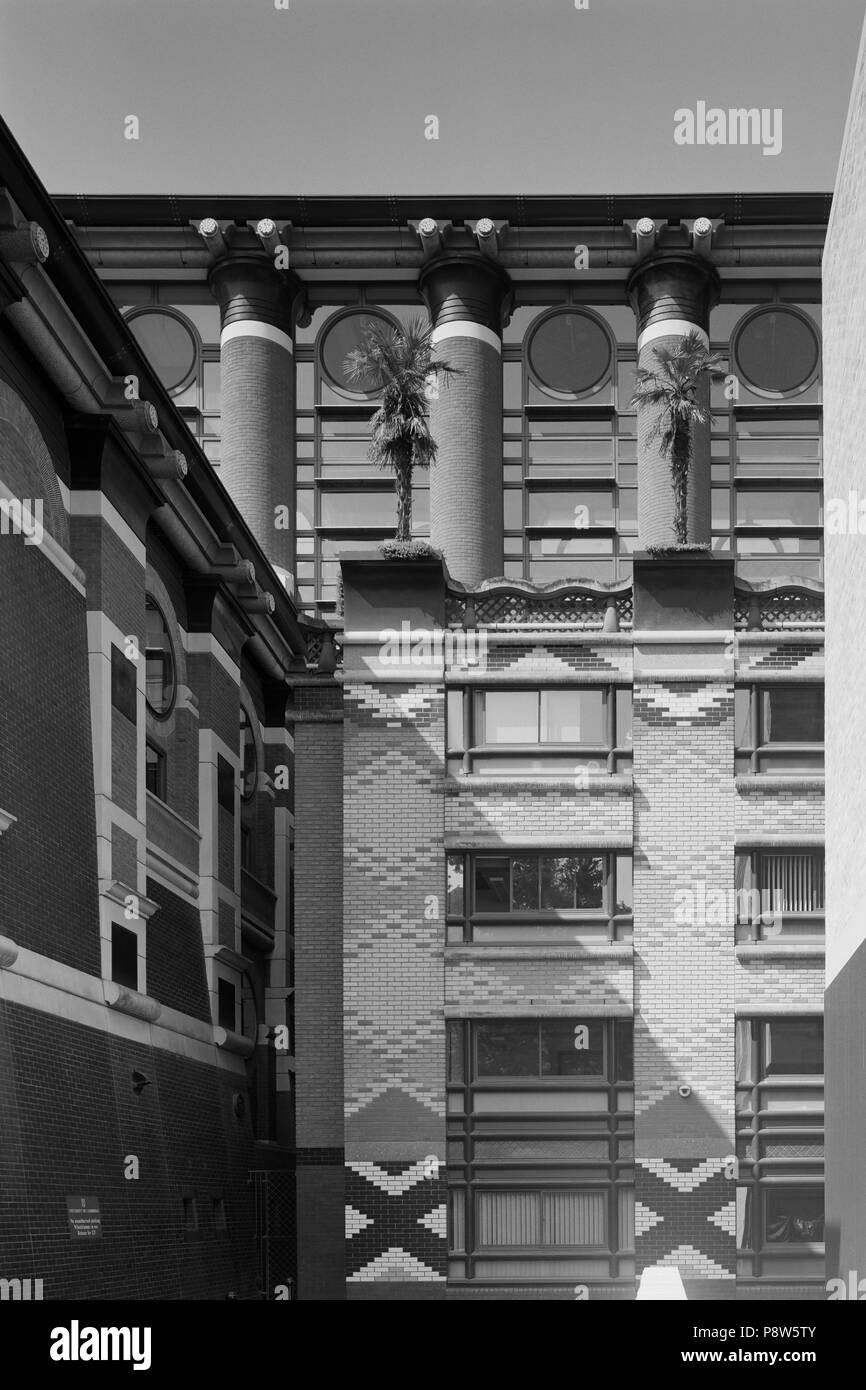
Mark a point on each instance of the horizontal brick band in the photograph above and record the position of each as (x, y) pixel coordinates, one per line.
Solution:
(465, 328)
(668, 328)
(254, 328)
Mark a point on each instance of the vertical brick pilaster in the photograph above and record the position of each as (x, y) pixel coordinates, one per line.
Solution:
(684, 950)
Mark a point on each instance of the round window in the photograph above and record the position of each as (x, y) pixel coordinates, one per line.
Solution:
(249, 757)
(344, 335)
(159, 660)
(569, 353)
(168, 344)
(777, 351)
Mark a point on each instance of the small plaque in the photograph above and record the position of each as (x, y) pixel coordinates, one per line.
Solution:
(85, 1220)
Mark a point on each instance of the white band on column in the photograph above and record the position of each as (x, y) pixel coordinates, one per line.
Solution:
(254, 328)
(671, 328)
(465, 328)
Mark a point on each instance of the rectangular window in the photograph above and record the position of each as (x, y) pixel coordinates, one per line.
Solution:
(154, 770)
(123, 693)
(225, 784)
(780, 1147)
(226, 1004)
(124, 956)
(525, 731)
(780, 728)
(538, 897)
(189, 1214)
(540, 1149)
(780, 893)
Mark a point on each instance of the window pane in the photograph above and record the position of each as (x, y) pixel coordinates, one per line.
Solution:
(507, 1048)
(794, 1047)
(623, 718)
(454, 874)
(510, 716)
(572, 509)
(508, 1218)
(794, 714)
(491, 885)
(624, 1049)
(742, 717)
(569, 881)
(524, 884)
(792, 882)
(570, 1047)
(124, 957)
(623, 889)
(455, 719)
(793, 1215)
(455, 1051)
(785, 507)
(574, 1218)
(572, 716)
(366, 508)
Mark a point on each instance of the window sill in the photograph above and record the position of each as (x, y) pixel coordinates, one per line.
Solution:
(750, 782)
(603, 950)
(780, 950)
(616, 782)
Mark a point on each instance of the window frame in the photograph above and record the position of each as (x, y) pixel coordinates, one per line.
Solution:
(759, 1123)
(758, 749)
(469, 753)
(463, 927)
(751, 927)
(470, 1172)
(151, 603)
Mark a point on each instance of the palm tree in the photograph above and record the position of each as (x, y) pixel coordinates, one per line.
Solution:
(399, 361)
(672, 387)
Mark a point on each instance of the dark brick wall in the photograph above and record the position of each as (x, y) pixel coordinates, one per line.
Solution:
(62, 1083)
(124, 746)
(175, 957)
(48, 859)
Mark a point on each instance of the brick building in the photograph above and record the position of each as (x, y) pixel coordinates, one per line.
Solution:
(146, 780)
(556, 810)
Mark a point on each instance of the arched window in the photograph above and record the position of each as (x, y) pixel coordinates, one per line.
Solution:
(160, 681)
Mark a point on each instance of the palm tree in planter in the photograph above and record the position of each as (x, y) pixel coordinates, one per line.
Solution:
(671, 387)
(400, 362)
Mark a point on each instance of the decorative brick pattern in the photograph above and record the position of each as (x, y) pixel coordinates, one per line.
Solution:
(687, 1215)
(395, 1222)
(393, 940)
(538, 985)
(805, 659)
(684, 973)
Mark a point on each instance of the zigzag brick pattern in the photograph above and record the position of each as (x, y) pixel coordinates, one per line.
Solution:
(393, 940)
(683, 974)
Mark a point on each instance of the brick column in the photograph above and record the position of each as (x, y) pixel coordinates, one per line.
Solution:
(671, 294)
(465, 295)
(257, 392)
(393, 935)
(684, 950)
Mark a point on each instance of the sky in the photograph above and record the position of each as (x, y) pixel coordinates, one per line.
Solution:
(336, 96)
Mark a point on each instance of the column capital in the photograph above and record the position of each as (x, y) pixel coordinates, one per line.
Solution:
(676, 287)
(466, 287)
(249, 287)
